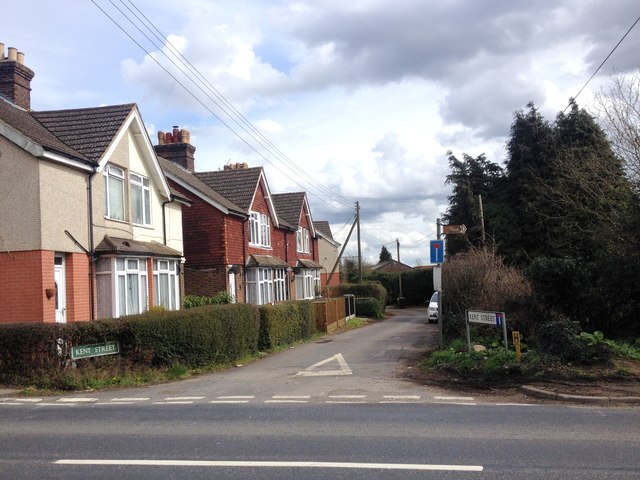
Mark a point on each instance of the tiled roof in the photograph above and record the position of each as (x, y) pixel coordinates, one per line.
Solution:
(88, 130)
(194, 182)
(124, 246)
(289, 206)
(26, 123)
(323, 227)
(306, 263)
(266, 261)
(237, 185)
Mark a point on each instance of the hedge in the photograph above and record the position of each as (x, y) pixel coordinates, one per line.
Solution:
(285, 323)
(360, 290)
(369, 307)
(215, 334)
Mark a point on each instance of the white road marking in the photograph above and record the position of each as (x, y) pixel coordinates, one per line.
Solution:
(180, 399)
(237, 397)
(291, 397)
(517, 405)
(115, 403)
(343, 465)
(345, 402)
(402, 397)
(77, 400)
(470, 399)
(56, 404)
(286, 401)
(18, 399)
(456, 403)
(130, 399)
(347, 396)
(182, 402)
(11, 403)
(313, 372)
(229, 401)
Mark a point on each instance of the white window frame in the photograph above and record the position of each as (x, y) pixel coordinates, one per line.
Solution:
(140, 183)
(259, 230)
(165, 270)
(261, 286)
(302, 240)
(280, 284)
(115, 277)
(114, 176)
(307, 283)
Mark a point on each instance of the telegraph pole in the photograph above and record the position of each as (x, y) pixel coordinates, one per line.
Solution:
(440, 292)
(484, 245)
(359, 247)
(399, 269)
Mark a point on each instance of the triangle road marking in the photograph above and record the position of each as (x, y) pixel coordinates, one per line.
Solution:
(313, 371)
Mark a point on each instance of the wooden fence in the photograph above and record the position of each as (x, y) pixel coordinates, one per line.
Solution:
(330, 314)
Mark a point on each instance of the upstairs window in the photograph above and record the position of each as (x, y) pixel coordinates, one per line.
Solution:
(140, 199)
(114, 192)
(302, 240)
(259, 229)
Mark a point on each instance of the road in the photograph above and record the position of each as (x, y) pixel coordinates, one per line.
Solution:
(334, 408)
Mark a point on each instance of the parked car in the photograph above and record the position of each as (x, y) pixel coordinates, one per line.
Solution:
(432, 309)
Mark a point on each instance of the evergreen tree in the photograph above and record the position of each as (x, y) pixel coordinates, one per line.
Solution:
(385, 255)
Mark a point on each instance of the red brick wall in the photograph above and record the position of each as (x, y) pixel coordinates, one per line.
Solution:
(78, 290)
(24, 276)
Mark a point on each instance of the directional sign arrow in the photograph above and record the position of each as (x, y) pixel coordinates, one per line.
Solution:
(454, 229)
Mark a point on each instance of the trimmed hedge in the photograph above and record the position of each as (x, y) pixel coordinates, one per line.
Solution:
(215, 334)
(285, 323)
(369, 307)
(360, 290)
(417, 286)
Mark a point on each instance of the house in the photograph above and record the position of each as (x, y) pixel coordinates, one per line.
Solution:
(236, 238)
(89, 227)
(390, 266)
(327, 254)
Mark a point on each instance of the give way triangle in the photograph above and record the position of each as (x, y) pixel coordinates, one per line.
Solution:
(314, 370)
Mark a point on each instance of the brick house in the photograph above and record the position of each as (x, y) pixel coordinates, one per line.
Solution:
(238, 236)
(89, 227)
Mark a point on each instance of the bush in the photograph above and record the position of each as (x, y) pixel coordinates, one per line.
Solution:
(417, 286)
(369, 307)
(191, 301)
(359, 290)
(285, 323)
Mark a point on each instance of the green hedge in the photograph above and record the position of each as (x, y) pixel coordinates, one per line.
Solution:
(369, 307)
(360, 290)
(215, 334)
(417, 286)
(285, 323)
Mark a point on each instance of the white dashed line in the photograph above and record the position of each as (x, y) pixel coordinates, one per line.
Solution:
(182, 399)
(22, 400)
(229, 402)
(130, 399)
(237, 397)
(455, 403)
(10, 403)
(176, 402)
(348, 397)
(462, 399)
(77, 400)
(56, 404)
(111, 402)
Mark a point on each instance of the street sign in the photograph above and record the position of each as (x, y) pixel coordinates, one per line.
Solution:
(454, 229)
(95, 350)
(437, 251)
(437, 278)
(488, 318)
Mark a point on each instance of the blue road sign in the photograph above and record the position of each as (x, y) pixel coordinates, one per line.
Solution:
(437, 251)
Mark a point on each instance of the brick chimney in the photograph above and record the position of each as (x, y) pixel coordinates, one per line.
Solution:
(15, 78)
(175, 146)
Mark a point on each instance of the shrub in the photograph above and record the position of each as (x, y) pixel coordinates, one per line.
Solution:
(285, 323)
(359, 290)
(191, 301)
(369, 307)
(417, 285)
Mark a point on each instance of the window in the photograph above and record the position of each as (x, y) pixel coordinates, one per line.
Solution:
(260, 285)
(114, 192)
(302, 240)
(165, 284)
(259, 229)
(122, 287)
(280, 285)
(140, 199)
(307, 283)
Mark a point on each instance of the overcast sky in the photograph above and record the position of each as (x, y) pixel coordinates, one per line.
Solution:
(355, 100)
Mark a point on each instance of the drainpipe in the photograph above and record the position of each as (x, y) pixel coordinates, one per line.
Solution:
(164, 221)
(92, 256)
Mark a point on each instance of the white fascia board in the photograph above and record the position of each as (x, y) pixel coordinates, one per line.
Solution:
(199, 194)
(272, 209)
(70, 162)
(134, 121)
(305, 207)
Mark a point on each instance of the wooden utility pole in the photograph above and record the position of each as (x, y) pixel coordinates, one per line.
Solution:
(399, 269)
(440, 293)
(484, 245)
(359, 247)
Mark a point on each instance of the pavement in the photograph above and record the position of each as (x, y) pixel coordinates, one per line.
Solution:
(552, 394)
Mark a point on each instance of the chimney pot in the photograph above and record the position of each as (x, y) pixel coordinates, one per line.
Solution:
(13, 54)
(1, 51)
(175, 135)
(168, 138)
(160, 138)
(20, 58)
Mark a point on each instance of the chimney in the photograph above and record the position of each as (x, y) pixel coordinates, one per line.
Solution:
(15, 78)
(236, 166)
(175, 146)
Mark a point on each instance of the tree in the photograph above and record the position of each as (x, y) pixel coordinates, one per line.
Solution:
(385, 255)
(618, 109)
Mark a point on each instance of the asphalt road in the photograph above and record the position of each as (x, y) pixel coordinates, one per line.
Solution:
(334, 408)
(310, 441)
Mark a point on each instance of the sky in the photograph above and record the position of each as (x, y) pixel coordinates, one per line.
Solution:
(350, 101)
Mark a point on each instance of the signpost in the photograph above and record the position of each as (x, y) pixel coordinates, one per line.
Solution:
(95, 350)
(437, 251)
(487, 318)
(454, 229)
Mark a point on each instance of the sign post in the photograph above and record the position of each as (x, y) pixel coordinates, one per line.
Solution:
(487, 318)
(95, 350)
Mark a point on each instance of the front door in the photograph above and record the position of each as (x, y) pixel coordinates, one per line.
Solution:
(61, 288)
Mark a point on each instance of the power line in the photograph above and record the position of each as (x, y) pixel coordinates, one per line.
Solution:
(228, 110)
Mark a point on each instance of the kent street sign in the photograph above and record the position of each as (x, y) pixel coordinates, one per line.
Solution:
(454, 229)
(95, 350)
(488, 318)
